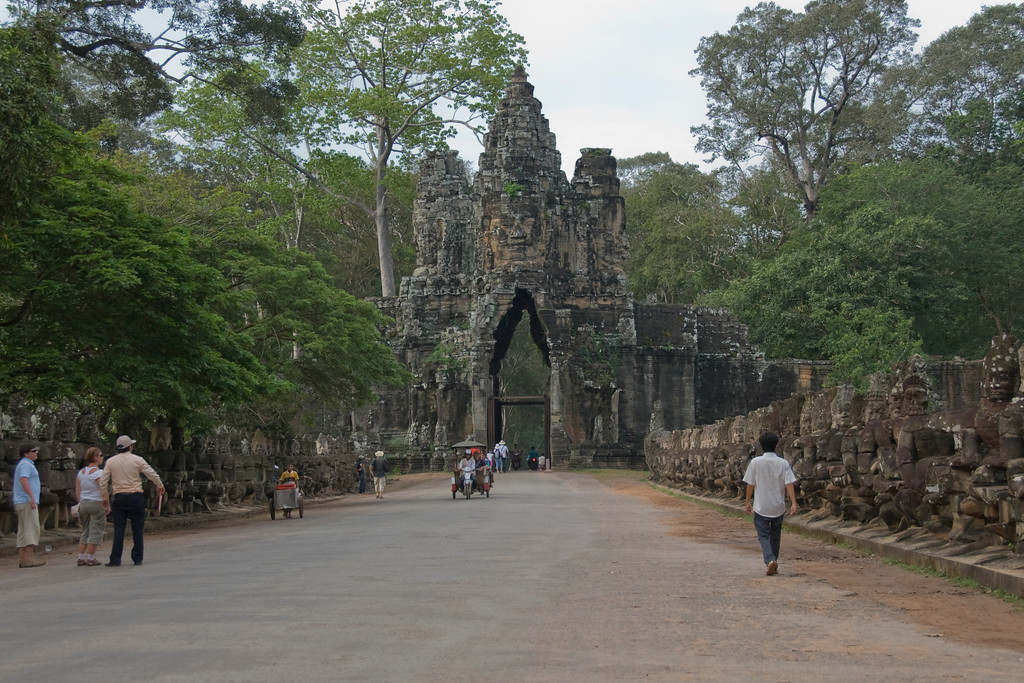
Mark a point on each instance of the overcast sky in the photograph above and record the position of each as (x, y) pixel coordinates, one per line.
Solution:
(614, 73)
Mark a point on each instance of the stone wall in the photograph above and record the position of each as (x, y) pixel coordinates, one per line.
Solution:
(886, 455)
(227, 468)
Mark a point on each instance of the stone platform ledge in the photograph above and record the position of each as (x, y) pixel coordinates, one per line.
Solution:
(68, 537)
(990, 566)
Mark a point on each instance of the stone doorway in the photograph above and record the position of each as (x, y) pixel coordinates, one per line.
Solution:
(495, 415)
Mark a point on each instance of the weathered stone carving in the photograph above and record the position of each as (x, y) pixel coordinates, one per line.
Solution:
(217, 471)
(958, 472)
(522, 244)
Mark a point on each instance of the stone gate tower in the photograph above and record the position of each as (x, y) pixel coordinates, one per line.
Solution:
(522, 243)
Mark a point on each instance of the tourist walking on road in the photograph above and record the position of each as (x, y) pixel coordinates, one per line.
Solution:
(91, 512)
(769, 478)
(123, 475)
(379, 468)
(500, 457)
(362, 475)
(26, 506)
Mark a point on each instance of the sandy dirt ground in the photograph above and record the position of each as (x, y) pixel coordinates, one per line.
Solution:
(963, 614)
(946, 610)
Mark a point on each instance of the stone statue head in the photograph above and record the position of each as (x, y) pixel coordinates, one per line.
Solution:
(1000, 371)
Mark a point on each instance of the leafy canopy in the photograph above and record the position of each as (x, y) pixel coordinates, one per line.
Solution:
(806, 89)
(134, 69)
(393, 77)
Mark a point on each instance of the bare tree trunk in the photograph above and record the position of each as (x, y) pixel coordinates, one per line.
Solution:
(387, 264)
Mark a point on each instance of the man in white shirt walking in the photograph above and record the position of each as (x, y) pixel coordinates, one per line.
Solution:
(769, 478)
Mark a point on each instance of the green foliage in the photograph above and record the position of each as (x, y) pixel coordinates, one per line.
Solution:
(683, 236)
(863, 341)
(105, 306)
(973, 87)
(446, 357)
(129, 66)
(33, 145)
(513, 190)
(903, 257)
(806, 89)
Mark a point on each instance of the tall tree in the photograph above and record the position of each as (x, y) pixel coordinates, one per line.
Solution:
(157, 301)
(805, 88)
(973, 87)
(395, 76)
(133, 68)
(318, 198)
(903, 256)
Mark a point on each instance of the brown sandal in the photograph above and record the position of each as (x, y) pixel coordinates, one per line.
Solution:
(33, 563)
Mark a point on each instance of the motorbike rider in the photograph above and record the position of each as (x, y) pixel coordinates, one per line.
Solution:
(468, 464)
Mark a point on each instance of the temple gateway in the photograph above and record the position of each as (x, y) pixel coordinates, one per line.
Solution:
(522, 245)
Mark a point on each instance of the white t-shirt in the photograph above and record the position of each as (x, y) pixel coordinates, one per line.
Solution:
(769, 475)
(89, 479)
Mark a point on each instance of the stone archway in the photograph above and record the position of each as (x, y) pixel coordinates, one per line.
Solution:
(494, 415)
(522, 306)
(522, 303)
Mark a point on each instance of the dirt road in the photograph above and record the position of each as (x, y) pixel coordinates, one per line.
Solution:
(556, 577)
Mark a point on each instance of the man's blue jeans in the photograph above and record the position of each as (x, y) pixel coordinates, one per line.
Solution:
(125, 507)
(769, 535)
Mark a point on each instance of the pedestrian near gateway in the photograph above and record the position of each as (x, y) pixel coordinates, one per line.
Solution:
(26, 506)
(769, 479)
(123, 474)
(501, 457)
(379, 468)
(92, 513)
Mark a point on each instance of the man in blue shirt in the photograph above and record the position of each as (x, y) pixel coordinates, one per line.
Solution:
(26, 506)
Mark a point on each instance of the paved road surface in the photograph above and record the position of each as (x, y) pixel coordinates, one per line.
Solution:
(553, 578)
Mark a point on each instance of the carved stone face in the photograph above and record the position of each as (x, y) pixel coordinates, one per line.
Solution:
(841, 407)
(511, 232)
(1001, 370)
(915, 400)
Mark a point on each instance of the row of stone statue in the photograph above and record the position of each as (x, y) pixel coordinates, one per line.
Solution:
(885, 454)
(226, 469)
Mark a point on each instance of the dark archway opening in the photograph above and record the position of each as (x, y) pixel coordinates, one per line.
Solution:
(520, 372)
